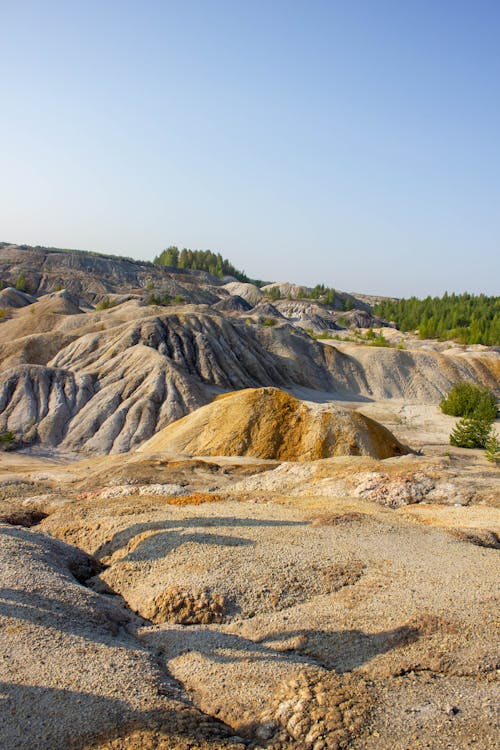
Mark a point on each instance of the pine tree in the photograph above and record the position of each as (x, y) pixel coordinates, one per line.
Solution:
(471, 433)
(492, 448)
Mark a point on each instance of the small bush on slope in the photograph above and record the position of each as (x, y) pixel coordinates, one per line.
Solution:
(7, 440)
(469, 400)
(471, 433)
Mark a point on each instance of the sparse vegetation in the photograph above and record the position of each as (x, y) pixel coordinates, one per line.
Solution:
(164, 299)
(270, 322)
(375, 339)
(470, 400)
(92, 253)
(324, 335)
(273, 293)
(471, 433)
(158, 299)
(320, 292)
(105, 304)
(370, 337)
(21, 283)
(7, 440)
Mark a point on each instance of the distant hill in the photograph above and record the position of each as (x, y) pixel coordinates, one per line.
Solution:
(92, 276)
(200, 277)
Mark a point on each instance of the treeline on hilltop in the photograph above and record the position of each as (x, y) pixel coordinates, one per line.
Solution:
(465, 318)
(202, 260)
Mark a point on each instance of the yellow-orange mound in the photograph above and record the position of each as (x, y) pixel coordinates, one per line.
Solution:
(269, 423)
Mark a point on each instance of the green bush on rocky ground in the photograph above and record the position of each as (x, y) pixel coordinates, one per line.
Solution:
(478, 408)
(471, 401)
(7, 440)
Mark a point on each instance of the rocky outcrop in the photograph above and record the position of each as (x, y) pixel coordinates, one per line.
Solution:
(37, 403)
(265, 310)
(269, 423)
(90, 275)
(249, 292)
(361, 319)
(307, 315)
(288, 291)
(10, 297)
(232, 303)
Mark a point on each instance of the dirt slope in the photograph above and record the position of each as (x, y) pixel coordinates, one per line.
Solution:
(269, 423)
(77, 676)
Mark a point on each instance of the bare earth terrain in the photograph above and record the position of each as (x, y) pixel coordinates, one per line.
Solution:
(305, 563)
(344, 602)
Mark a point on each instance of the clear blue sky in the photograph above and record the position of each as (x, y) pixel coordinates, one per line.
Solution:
(351, 143)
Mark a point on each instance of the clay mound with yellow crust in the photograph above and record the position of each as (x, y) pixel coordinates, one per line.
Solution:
(269, 423)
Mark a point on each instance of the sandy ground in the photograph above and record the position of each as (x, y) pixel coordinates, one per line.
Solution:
(220, 602)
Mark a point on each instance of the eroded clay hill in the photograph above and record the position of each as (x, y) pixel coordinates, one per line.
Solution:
(269, 423)
(107, 380)
(100, 367)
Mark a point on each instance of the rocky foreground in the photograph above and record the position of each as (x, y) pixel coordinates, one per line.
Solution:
(218, 532)
(164, 602)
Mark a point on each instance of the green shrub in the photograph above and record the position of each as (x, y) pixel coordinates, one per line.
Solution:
(269, 322)
(156, 299)
(7, 440)
(492, 448)
(21, 283)
(470, 400)
(471, 433)
(324, 335)
(274, 293)
(380, 340)
(105, 304)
